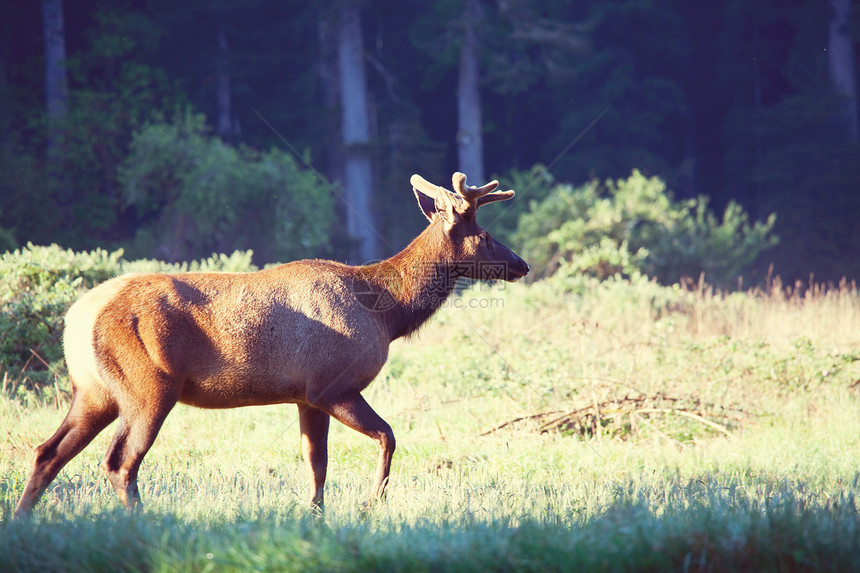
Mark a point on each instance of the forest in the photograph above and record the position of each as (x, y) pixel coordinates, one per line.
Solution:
(174, 130)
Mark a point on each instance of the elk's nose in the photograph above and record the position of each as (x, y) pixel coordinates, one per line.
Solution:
(525, 267)
(520, 270)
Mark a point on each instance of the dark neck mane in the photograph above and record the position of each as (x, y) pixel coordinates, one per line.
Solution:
(410, 286)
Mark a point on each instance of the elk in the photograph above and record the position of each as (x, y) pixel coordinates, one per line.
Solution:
(313, 332)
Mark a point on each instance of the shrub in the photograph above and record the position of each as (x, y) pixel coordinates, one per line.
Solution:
(37, 285)
(532, 186)
(634, 226)
(238, 262)
(196, 194)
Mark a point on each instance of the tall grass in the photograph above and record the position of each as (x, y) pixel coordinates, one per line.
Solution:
(475, 484)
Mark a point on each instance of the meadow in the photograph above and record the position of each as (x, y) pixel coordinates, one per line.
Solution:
(566, 424)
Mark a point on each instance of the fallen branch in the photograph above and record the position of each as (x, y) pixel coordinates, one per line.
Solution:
(696, 417)
(609, 416)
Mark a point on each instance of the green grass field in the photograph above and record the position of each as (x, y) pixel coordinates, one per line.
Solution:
(550, 426)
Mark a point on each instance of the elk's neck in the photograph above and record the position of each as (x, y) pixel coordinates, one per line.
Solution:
(414, 283)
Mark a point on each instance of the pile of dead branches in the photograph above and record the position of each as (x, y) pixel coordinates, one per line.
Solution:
(675, 418)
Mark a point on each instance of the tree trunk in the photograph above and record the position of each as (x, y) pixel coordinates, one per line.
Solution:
(470, 142)
(355, 129)
(224, 123)
(840, 58)
(56, 81)
(757, 101)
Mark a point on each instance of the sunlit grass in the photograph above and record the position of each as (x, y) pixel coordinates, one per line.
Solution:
(226, 490)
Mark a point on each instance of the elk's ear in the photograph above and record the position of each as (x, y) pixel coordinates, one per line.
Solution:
(427, 204)
(435, 201)
(439, 206)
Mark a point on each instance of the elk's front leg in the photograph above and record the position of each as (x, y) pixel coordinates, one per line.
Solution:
(314, 427)
(353, 410)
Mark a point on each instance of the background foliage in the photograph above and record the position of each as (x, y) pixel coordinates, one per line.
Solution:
(731, 101)
(634, 226)
(197, 194)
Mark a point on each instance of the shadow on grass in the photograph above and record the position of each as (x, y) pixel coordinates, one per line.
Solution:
(693, 526)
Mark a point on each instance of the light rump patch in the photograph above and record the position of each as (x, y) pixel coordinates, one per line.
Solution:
(78, 336)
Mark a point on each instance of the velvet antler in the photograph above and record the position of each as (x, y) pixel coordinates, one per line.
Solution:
(477, 196)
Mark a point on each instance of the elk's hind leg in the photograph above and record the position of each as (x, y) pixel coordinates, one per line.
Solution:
(88, 415)
(139, 423)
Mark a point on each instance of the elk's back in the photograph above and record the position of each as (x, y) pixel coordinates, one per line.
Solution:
(226, 339)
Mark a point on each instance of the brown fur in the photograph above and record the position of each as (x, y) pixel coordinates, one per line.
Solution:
(314, 333)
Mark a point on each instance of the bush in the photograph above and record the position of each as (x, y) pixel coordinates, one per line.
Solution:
(238, 262)
(532, 186)
(38, 285)
(633, 226)
(196, 194)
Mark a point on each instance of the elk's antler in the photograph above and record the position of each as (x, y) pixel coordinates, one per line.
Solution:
(474, 196)
(477, 196)
(428, 188)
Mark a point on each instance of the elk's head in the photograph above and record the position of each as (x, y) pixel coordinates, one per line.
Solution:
(466, 244)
